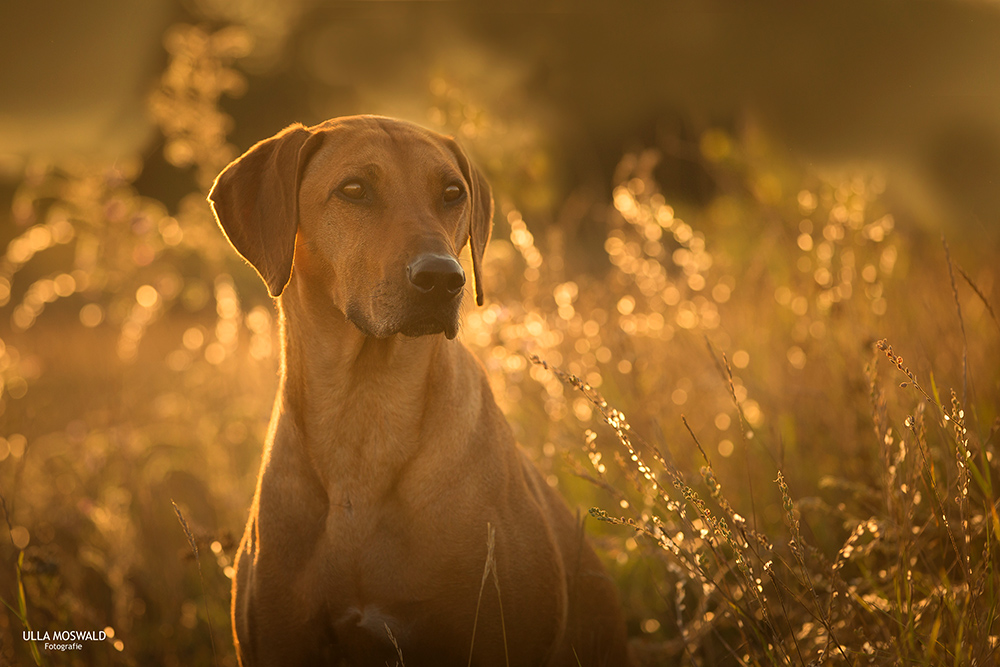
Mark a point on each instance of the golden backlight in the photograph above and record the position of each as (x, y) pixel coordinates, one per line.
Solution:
(808, 466)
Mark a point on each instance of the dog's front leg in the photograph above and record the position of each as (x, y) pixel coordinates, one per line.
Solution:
(274, 623)
(278, 615)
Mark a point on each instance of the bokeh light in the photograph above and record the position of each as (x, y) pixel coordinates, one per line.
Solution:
(784, 476)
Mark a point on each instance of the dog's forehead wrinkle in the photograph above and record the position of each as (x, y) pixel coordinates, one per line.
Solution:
(378, 150)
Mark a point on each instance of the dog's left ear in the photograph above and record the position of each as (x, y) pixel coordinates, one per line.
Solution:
(256, 201)
(481, 223)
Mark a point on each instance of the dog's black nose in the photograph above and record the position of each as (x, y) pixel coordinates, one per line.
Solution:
(436, 275)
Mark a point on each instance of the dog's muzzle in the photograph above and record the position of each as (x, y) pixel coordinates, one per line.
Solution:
(436, 283)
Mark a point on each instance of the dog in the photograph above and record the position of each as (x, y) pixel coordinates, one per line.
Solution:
(388, 466)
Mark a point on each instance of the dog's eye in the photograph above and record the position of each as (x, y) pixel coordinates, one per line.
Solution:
(453, 192)
(353, 190)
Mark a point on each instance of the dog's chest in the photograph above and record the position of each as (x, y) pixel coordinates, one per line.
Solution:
(382, 573)
(382, 544)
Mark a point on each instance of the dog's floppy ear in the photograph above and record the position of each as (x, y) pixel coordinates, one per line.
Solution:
(481, 223)
(256, 201)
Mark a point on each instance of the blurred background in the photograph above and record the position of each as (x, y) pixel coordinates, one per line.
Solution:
(702, 209)
(909, 88)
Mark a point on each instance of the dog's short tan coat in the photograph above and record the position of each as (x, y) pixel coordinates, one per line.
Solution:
(387, 457)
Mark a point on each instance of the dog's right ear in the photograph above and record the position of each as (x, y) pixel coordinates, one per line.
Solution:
(256, 201)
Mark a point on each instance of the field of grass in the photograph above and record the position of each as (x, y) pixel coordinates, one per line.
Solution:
(781, 405)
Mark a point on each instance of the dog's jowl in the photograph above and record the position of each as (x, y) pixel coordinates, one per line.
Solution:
(388, 464)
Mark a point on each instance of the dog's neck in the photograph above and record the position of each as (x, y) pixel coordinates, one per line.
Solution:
(363, 406)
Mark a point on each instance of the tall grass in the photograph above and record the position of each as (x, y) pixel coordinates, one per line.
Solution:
(805, 474)
(842, 510)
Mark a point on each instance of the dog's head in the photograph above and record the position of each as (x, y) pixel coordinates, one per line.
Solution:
(372, 209)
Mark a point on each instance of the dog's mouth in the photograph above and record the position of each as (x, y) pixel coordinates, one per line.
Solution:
(428, 314)
(430, 323)
(418, 320)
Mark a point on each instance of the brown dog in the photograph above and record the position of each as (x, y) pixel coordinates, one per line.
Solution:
(387, 457)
